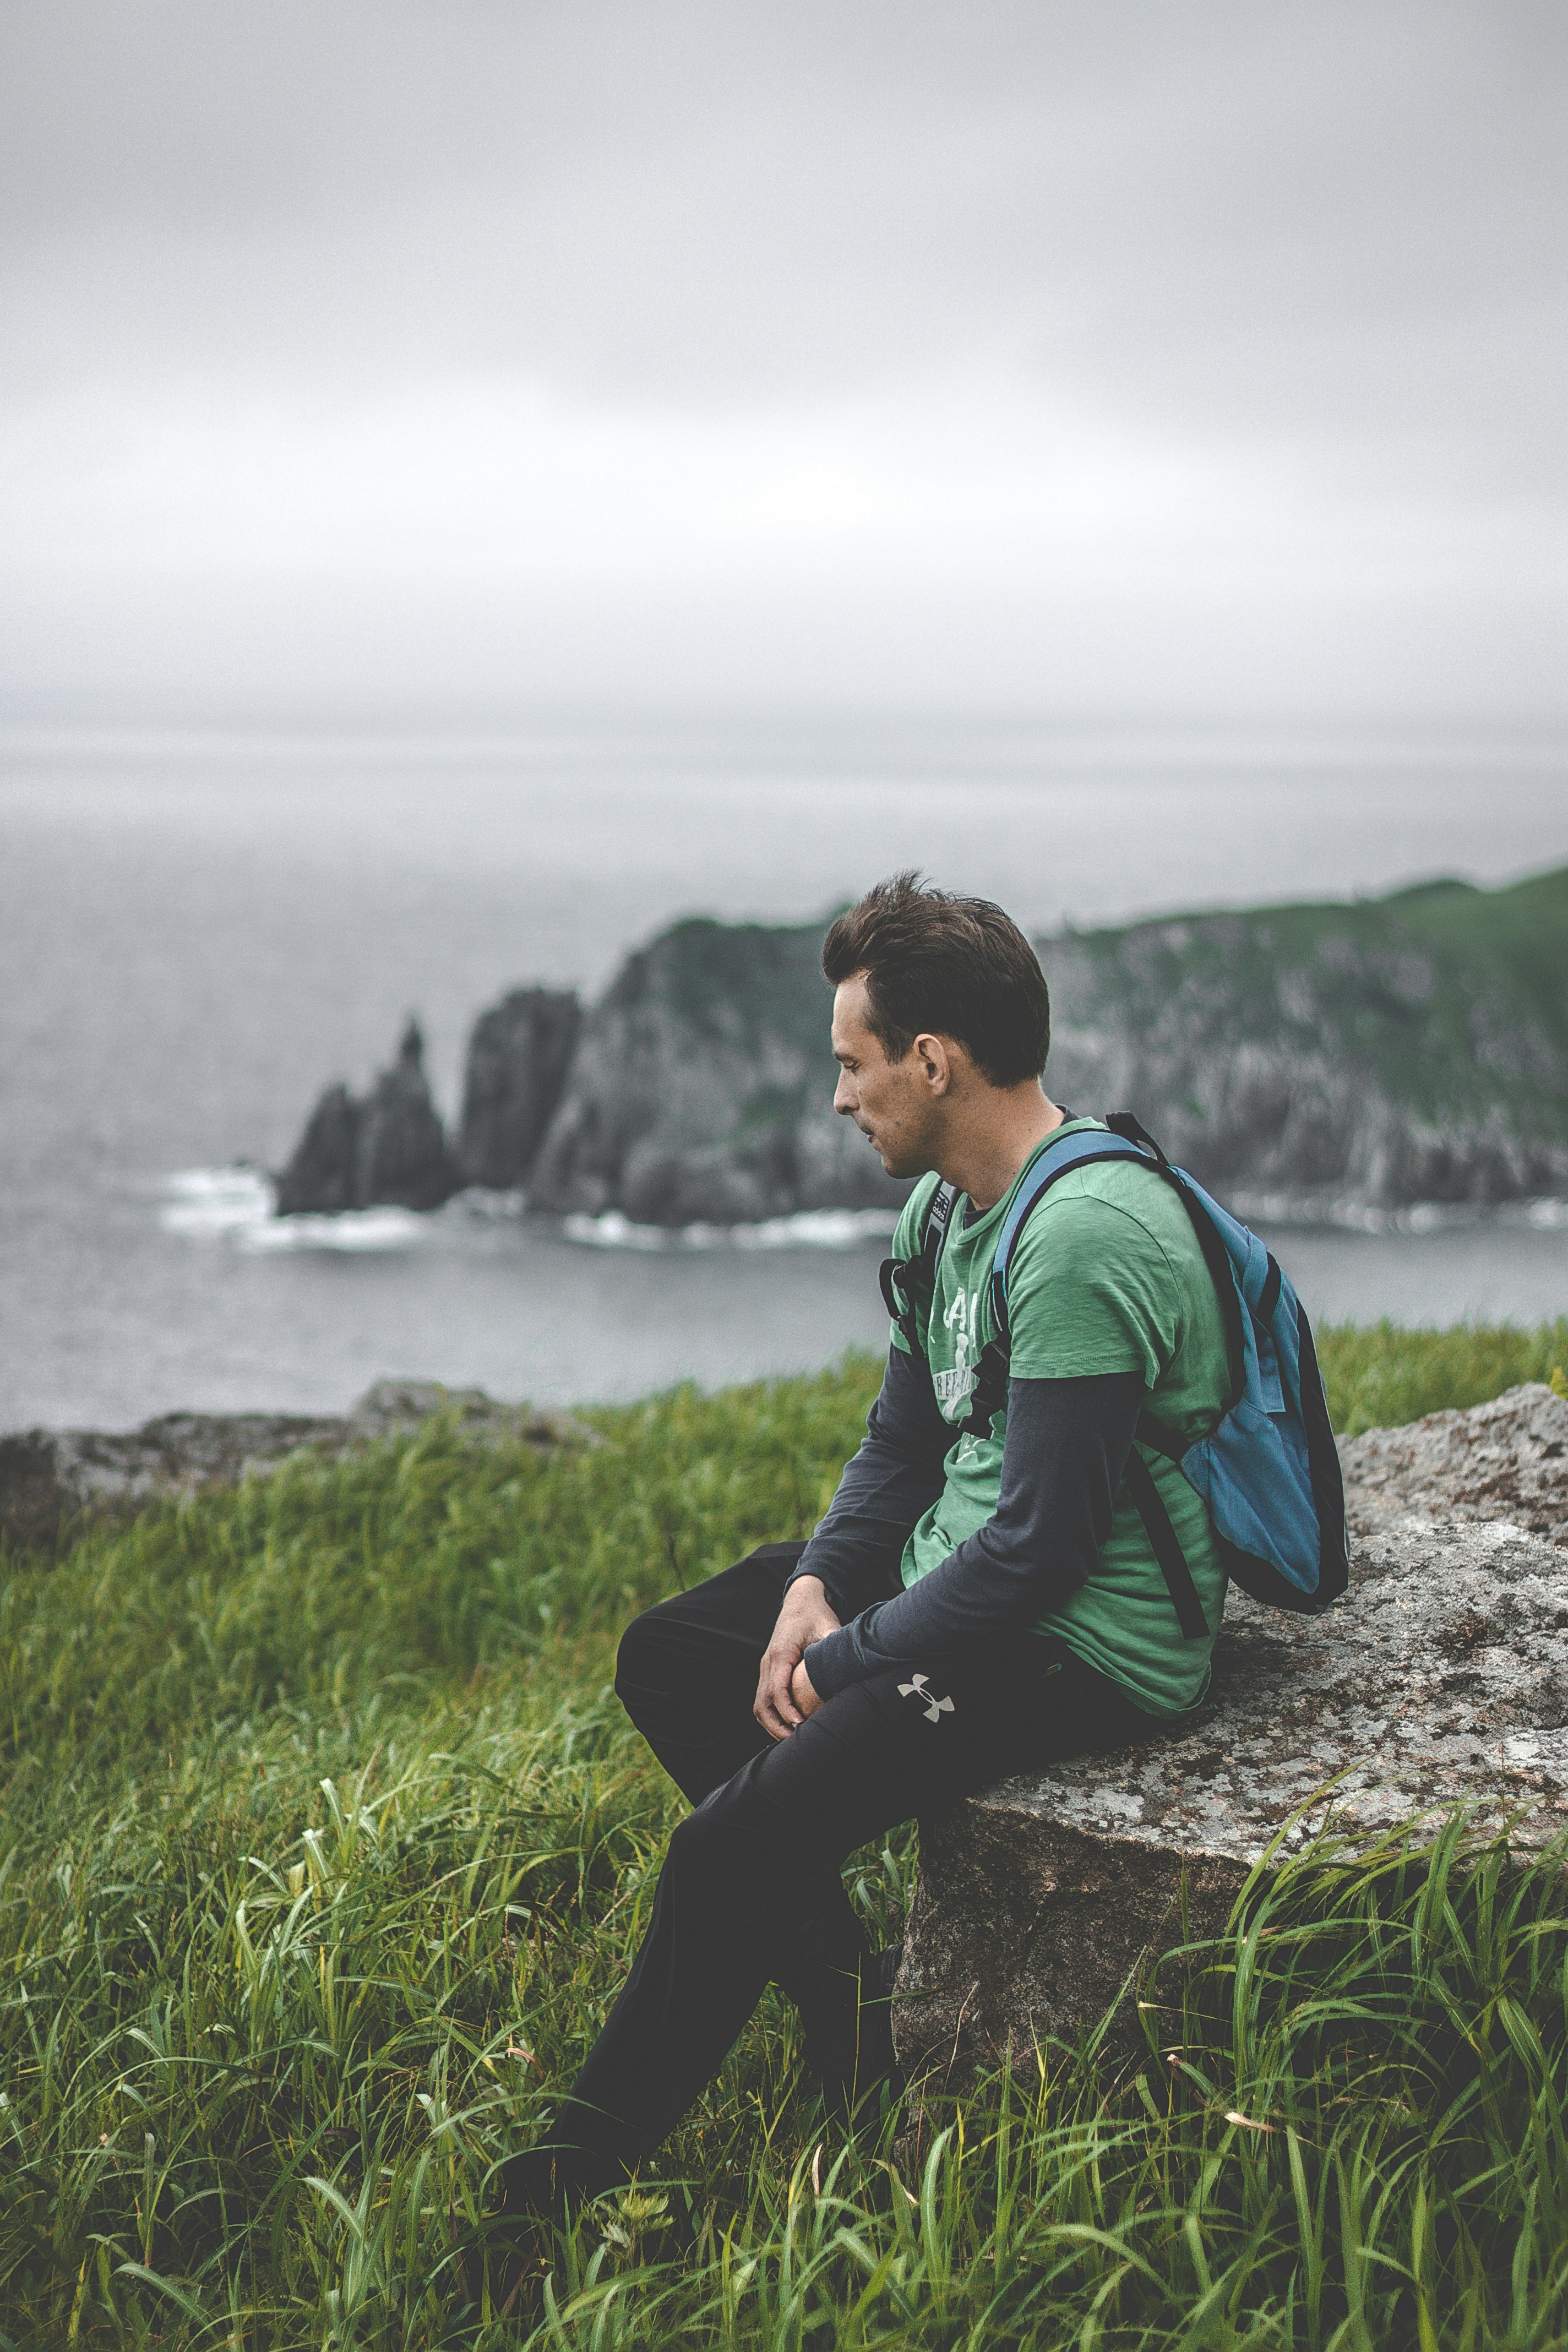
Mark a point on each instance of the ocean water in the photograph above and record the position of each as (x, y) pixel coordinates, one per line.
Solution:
(197, 932)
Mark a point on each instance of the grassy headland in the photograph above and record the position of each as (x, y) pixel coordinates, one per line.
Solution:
(325, 1847)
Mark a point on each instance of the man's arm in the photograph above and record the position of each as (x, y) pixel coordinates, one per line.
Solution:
(895, 1476)
(852, 1559)
(1063, 1456)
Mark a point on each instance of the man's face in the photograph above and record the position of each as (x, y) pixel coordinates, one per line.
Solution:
(891, 1103)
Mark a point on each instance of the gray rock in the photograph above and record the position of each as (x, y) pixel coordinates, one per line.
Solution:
(518, 1056)
(399, 1408)
(51, 1480)
(1441, 1679)
(385, 1148)
(401, 1155)
(54, 1481)
(323, 1175)
(1505, 1460)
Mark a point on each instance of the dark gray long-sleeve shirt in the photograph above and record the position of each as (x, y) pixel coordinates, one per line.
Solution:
(1064, 1452)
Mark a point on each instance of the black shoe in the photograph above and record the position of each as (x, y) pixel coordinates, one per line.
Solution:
(550, 2182)
(541, 2189)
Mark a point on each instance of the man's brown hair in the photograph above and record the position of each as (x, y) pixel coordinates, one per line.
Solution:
(955, 967)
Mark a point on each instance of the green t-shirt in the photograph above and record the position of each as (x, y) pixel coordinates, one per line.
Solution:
(1106, 1277)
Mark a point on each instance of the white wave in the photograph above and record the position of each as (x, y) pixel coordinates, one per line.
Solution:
(239, 1205)
(816, 1229)
(808, 1229)
(1312, 1212)
(205, 1201)
(614, 1230)
(353, 1231)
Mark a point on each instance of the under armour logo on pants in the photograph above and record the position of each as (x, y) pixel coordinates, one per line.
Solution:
(935, 1707)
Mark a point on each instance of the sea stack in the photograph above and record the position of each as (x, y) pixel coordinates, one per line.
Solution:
(387, 1148)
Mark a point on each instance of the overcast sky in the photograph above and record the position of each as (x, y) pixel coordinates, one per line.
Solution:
(444, 361)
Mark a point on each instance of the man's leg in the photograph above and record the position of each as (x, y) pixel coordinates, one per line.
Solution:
(756, 1867)
(687, 1670)
(687, 1676)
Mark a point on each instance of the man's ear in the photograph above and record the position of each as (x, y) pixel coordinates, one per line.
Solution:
(934, 1056)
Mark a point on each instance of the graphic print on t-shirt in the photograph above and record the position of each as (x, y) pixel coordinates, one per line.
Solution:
(953, 1382)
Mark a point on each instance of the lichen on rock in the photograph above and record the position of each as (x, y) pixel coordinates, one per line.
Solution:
(1508, 1459)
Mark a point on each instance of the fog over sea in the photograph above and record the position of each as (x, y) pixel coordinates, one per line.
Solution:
(197, 932)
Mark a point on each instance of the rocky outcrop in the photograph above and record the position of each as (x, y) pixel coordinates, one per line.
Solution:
(1325, 1058)
(703, 1089)
(1441, 1680)
(1506, 1460)
(1318, 1060)
(323, 1172)
(518, 1056)
(384, 1148)
(1303, 1059)
(53, 1481)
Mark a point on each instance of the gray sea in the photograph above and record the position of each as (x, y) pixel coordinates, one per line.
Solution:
(197, 932)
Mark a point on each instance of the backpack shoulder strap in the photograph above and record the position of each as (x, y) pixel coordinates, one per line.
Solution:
(1090, 1146)
(907, 1281)
(1081, 1151)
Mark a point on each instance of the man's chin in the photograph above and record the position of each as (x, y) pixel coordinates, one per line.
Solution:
(900, 1167)
(895, 1164)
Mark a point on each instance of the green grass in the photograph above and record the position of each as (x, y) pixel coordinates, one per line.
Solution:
(1380, 1376)
(325, 1848)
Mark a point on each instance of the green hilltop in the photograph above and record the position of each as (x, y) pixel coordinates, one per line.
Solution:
(1451, 998)
(326, 1847)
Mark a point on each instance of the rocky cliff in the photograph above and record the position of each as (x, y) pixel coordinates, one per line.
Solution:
(518, 1056)
(702, 1087)
(390, 1146)
(1408, 1048)
(1401, 1049)
(1329, 1059)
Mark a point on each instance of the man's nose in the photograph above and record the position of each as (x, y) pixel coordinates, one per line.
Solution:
(843, 1096)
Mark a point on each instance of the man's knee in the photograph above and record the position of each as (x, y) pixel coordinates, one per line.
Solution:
(643, 1660)
(726, 1838)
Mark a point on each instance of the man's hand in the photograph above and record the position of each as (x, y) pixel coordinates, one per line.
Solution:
(805, 1616)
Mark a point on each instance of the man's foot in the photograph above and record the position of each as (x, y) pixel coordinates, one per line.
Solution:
(541, 2189)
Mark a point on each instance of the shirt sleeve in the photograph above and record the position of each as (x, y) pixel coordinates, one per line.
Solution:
(891, 1480)
(1090, 1291)
(1063, 1457)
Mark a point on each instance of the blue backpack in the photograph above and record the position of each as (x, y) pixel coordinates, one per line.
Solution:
(1268, 1469)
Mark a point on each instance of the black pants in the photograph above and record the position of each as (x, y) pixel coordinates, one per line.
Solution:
(751, 1889)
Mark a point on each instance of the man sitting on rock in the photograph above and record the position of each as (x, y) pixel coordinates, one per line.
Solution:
(978, 1601)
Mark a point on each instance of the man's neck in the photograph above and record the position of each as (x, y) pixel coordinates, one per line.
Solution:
(993, 1143)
